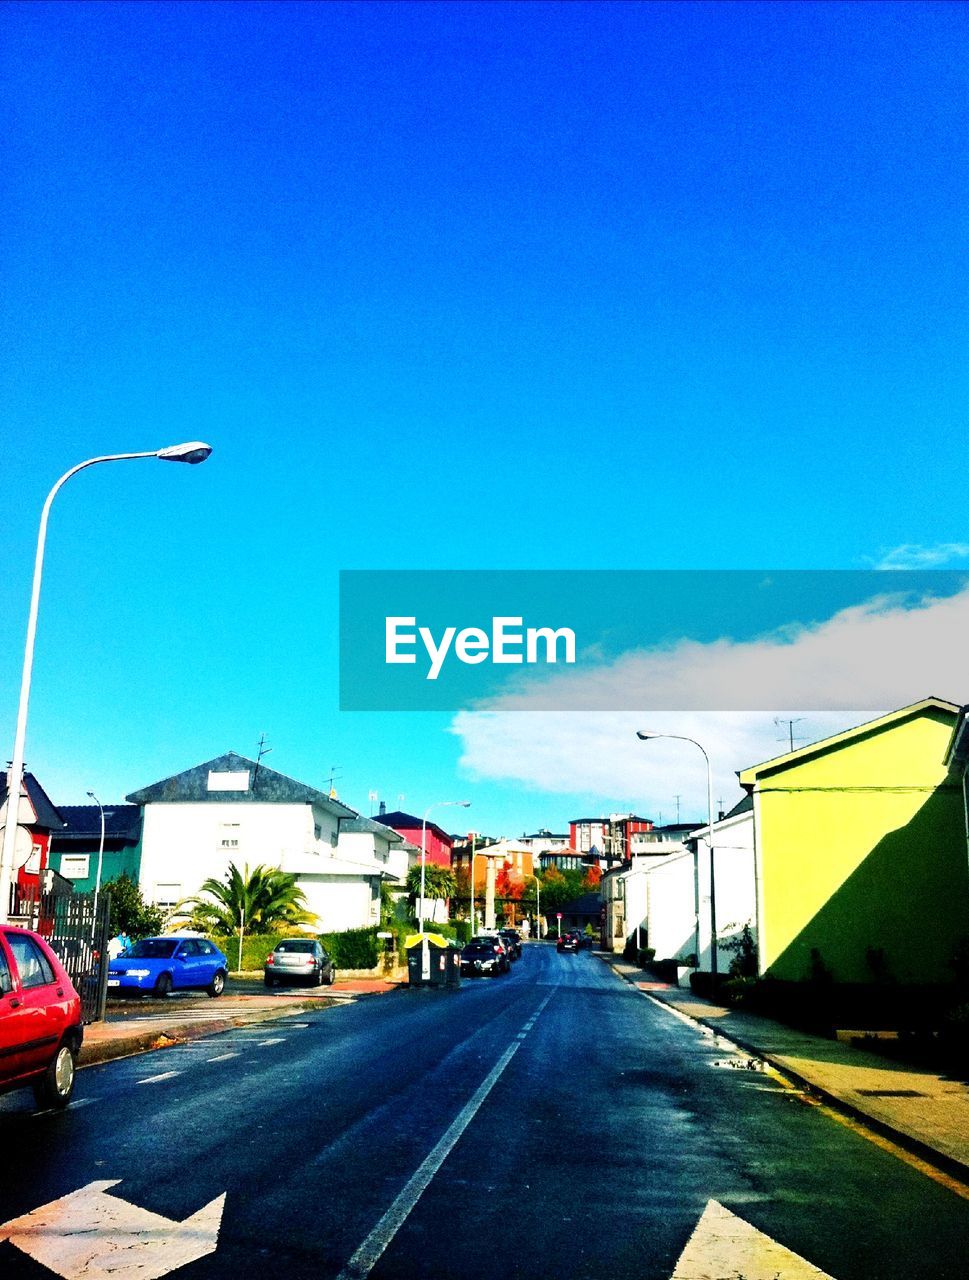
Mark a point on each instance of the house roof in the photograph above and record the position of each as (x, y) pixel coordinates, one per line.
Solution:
(957, 752)
(745, 805)
(748, 777)
(122, 823)
(401, 821)
(360, 823)
(262, 786)
(48, 817)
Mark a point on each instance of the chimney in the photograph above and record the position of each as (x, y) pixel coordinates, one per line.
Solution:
(383, 809)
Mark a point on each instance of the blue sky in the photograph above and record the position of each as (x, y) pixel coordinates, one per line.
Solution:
(452, 286)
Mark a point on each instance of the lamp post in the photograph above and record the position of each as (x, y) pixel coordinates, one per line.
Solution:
(97, 879)
(192, 452)
(474, 841)
(645, 736)
(438, 804)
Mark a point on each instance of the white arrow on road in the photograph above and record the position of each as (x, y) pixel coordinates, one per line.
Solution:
(724, 1247)
(89, 1235)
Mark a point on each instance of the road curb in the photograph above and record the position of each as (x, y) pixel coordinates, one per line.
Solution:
(94, 1052)
(941, 1160)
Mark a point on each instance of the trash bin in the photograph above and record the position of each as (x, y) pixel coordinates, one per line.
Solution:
(454, 967)
(415, 956)
(432, 962)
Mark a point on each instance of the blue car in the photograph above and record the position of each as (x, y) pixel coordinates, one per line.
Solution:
(161, 965)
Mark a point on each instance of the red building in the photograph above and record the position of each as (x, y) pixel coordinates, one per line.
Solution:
(610, 837)
(39, 818)
(437, 841)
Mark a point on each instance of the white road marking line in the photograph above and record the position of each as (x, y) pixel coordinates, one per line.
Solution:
(224, 1057)
(55, 1111)
(274, 1040)
(369, 1252)
(89, 1233)
(165, 1075)
(724, 1245)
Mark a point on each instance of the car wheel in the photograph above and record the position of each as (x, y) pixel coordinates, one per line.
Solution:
(163, 986)
(55, 1087)
(268, 981)
(331, 977)
(217, 985)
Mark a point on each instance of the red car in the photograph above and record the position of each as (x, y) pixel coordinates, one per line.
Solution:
(40, 1019)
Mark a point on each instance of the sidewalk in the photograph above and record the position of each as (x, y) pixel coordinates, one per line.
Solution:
(137, 1026)
(928, 1114)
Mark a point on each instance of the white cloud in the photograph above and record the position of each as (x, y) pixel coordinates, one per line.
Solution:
(598, 753)
(879, 656)
(912, 555)
(884, 653)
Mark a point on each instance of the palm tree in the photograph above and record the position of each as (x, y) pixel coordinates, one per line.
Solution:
(438, 882)
(261, 901)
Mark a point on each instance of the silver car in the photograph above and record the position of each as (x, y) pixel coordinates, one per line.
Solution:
(299, 960)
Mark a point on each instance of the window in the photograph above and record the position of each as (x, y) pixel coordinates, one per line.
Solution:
(205, 948)
(34, 967)
(75, 866)
(6, 982)
(229, 834)
(168, 895)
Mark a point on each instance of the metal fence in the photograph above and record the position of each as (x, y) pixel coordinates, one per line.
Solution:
(77, 932)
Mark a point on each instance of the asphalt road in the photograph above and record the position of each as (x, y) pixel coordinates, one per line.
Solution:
(551, 1123)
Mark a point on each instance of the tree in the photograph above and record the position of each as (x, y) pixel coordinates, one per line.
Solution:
(264, 901)
(438, 882)
(506, 887)
(560, 887)
(129, 912)
(593, 878)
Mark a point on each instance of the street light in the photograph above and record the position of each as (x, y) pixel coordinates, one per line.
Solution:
(97, 880)
(438, 804)
(192, 452)
(645, 736)
(474, 842)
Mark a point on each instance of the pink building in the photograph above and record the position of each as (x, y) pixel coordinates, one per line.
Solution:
(438, 842)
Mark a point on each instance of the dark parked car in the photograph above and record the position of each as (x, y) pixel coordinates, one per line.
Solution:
(299, 960)
(570, 941)
(484, 955)
(512, 940)
(40, 1019)
(172, 963)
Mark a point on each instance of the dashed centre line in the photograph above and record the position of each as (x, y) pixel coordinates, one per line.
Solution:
(165, 1075)
(368, 1254)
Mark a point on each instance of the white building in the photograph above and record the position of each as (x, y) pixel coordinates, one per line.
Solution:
(232, 809)
(674, 925)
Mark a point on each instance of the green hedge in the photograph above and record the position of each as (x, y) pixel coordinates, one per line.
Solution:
(354, 949)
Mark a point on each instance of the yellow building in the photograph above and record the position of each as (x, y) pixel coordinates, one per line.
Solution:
(860, 853)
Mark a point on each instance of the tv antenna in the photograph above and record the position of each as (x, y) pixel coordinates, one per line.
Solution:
(261, 750)
(791, 735)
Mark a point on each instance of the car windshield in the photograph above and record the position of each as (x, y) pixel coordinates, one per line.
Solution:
(152, 949)
(295, 944)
